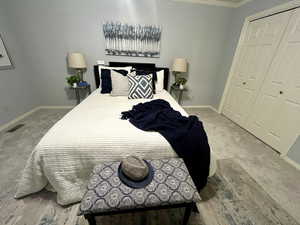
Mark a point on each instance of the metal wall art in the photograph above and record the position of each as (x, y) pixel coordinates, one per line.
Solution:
(132, 40)
(5, 62)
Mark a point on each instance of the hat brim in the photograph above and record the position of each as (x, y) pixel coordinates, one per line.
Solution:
(136, 184)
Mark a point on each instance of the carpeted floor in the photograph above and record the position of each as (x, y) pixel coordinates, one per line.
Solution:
(253, 184)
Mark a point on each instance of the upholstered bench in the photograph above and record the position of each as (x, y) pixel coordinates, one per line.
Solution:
(171, 187)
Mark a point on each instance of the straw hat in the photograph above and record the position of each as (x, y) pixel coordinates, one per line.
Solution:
(135, 172)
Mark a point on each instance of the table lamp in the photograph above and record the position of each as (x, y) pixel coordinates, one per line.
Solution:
(77, 62)
(179, 66)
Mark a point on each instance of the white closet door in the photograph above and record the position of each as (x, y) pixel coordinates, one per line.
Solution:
(257, 51)
(276, 115)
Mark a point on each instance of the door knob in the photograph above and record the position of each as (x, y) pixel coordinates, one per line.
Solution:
(244, 83)
(281, 92)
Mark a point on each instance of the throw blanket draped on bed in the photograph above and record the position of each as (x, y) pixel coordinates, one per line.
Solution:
(186, 135)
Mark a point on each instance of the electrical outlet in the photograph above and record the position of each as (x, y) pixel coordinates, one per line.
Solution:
(100, 62)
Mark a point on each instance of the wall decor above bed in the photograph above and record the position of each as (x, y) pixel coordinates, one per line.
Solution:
(5, 62)
(132, 40)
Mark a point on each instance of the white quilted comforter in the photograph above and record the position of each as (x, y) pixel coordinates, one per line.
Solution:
(89, 134)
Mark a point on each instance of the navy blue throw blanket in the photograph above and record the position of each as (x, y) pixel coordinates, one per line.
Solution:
(186, 135)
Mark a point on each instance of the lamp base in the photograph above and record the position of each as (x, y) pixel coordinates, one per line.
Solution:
(176, 74)
(79, 73)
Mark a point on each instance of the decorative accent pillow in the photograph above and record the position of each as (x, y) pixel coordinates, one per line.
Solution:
(140, 86)
(119, 80)
(105, 81)
(105, 78)
(127, 68)
(159, 84)
(147, 72)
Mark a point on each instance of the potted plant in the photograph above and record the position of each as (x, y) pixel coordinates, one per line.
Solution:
(180, 82)
(74, 79)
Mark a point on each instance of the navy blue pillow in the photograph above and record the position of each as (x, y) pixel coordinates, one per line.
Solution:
(105, 81)
(106, 85)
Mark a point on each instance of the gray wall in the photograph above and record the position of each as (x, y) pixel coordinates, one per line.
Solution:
(17, 94)
(39, 34)
(50, 29)
(236, 24)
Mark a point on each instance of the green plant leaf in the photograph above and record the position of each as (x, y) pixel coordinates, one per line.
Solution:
(73, 79)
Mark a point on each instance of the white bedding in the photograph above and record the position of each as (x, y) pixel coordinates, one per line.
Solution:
(89, 134)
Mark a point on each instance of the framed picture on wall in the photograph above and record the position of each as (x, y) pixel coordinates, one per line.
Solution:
(5, 62)
(122, 39)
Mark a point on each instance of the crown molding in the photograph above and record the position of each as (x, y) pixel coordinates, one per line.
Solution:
(216, 2)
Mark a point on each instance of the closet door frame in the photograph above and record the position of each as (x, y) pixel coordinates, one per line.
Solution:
(265, 13)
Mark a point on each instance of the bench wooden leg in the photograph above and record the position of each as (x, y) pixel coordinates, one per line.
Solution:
(187, 214)
(194, 208)
(91, 219)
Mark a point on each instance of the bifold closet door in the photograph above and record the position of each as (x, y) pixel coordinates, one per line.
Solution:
(276, 115)
(257, 51)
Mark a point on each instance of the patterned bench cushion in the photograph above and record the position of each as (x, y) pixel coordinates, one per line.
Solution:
(171, 184)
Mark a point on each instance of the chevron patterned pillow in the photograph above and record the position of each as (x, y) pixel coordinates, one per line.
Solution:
(140, 86)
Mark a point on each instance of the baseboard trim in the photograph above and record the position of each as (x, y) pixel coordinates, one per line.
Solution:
(24, 115)
(292, 162)
(56, 107)
(8, 124)
(200, 107)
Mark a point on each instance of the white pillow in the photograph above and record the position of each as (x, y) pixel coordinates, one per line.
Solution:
(119, 83)
(128, 68)
(159, 84)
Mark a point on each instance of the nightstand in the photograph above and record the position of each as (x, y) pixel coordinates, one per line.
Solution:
(81, 88)
(180, 92)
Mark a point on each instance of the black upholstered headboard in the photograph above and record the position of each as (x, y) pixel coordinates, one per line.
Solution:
(139, 66)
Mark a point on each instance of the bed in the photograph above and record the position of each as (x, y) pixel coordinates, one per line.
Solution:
(89, 134)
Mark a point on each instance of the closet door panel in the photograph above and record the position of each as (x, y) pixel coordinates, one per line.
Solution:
(291, 95)
(239, 96)
(257, 51)
(233, 99)
(242, 91)
(267, 119)
(276, 116)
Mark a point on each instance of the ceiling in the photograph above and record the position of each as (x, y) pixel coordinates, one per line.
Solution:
(225, 3)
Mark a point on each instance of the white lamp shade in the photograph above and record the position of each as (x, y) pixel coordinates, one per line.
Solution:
(180, 65)
(76, 60)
